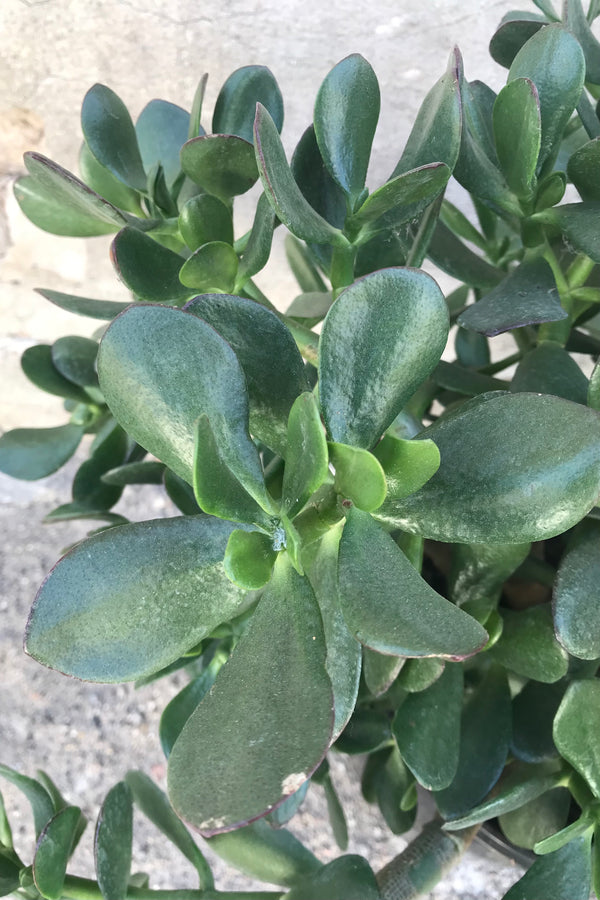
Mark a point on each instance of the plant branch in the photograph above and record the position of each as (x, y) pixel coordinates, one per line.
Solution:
(76, 888)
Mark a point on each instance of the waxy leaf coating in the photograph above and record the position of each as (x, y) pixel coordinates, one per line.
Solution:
(132, 599)
(576, 605)
(110, 135)
(222, 164)
(113, 841)
(576, 727)
(236, 104)
(150, 271)
(162, 130)
(32, 453)
(53, 850)
(565, 874)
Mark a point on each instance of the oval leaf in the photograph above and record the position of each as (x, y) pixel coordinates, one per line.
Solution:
(407, 465)
(113, 840)
(249, 559)
(203, 219)
(518, 134)
(528, 646)
(212, 267)
(222, 164)
(150, 271)
(162, 130)
(576, 727)
(358, 476)
(576, 603)
(350, 877)
(236, 104)
(565, 874)
(38, 365)
(32, 453)
(307, 463)
(53, 851)
(110, 135)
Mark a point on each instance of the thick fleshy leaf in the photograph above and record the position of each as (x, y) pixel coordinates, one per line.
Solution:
(272, 365)
(343, 651)
(565, 874)
(580, 223)
(39, 367)
(272, 855)
(386, 780)
(350, 877)
(276, 680)
(110, 135)
(319, 189)
(380, 671)
(368, 730)
(389, 607)
(583, 168)
(75, 358)
(83, 306)
(575, 603)
(203, 219)
(346, 115)
(282, 191)
(478, 574)
(537, 820)
(435, 136)
(146, 355)
(162, 130)
(576, 21)
(222, 164)
(179, 709)
(149, 270)
(155, 805)
(236, 104)
(427, 730)
(212, 267)
(408, 465)
(551, 483)
(306, 464)
(485, 733)
(528, 646)
(146, 472)
(32, 453)
(419, 674)
(195, 128)
(249, 559)
(518, 134)
(549, 369)
(116, 607)
(534, 710)
(53, 851)
(575, 728)
(527, 296)
(58, 202)
(39, 799)
(258, 248)
(10, 879)
(104, 183)
(554, 61)
(108, 450)
(310, 307)
(514, 31)
(358, 476)
(380, 340)
(456, 259)
(113, 840)
(460, 380)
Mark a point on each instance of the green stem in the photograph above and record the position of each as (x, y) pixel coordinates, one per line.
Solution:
(501, 364)
(579, 271)
(424, 862)
(76, 888)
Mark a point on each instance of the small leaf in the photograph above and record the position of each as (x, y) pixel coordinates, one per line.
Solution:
(367, 731)
(106, 185)
(538, 820)
(162, 130)
(258, 248)
(350, 877)
(289, 723)
(306, 464)
(582, 170)
(389, 607)
(37, 795)
(110, 135)
(222, 164)
(346, 114)
(427, 730)
(39, 367)
(513, 32)
(575, 726)
(53, 850)
(113, 840)
(478, 574)
(312, 306)
(380, 671)
(565, 874)
(401, 199)
(130, 620)
(381, 338)
(32, 453)
(358, 476)
(575, 603)
(150, 271)
(195, 128)
(249, 559)
(83, 306)
(518, 134)
(203, 219)
(236, 104)
(528, 646)
(212, 267)
(75, 358)
(387, 781)
(407, 465)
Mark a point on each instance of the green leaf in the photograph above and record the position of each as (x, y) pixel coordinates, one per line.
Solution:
(528, 646)
(258, 248)
(222, 164)
(575, 20)
(549, 369)
(358, 476)
(381, 338)
(534, 710)
(478, 574)
(345, 119)
(368, 730)
(181, 493)
(116, 607)
(317, 187)
(113, 840)
(75, 358)
(537, 820)
(389, 607)
(6, 837)
(527, 296)
(276, 681)
(154, 804)
(380, 671)
(146, 472)
(104, 183)
(37, 795)
(270, 360)
(485, 733)
(282, 814)
(150, 271)
(110, 135)
(565, 874)
(58, 202)
(9, 875)
(553, 60)
(435, 136)
(387, 780)
(335, 811)
(579, 222)
(236, 104)
(551, 483)
(419, 674)
(83, 306)
(307, 463)
(39, 367)
(180, 708)
(310, 307)
(407, 465)
(275, 856)
(513, 32)
(575, 607)
(53, 850)
(145, 357)
(350, 877)
(32, 453)
(456, 378)
(282, 191)
(401, 199)
(195, 128)
(249, 559)
(518, 134)
(203, 219)
(212, 267)
(575, 729)
(582, 170)
(454, 258)
(343, 651)
(427, 730)
(162, 130)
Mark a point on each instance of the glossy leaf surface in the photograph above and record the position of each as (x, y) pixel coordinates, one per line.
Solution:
(518, 134)
(575, 603)
(37, 795)
(32, 453)
(117, 607)
(389, 607)
(565, 874)
(350, 877)
(408, 465)
(162, 130)
(150, 271)
(236, 104)
(113, 840)
(380, 340)
(249, 559)
(205, 218)
(276, 680)
(575, 726)
(212, 267)
(401, 199)
(345, 119)
(75, 359)
(582, 169)
(551, 484)
(307, 463)
(223, 165)
(528, 646)
(97, 177)
(53, 851)
(38, 365)
(110, 135)
(320, 190)
(358, 476)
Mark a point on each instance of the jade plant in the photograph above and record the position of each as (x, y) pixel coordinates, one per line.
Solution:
(378, 551)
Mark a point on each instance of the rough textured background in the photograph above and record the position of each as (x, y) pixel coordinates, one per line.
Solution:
(87, 736)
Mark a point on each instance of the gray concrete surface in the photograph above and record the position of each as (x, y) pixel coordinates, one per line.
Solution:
(87, 736)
